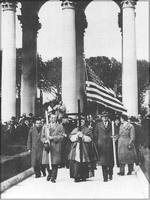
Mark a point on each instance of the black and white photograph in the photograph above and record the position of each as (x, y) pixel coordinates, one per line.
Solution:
(75, 99)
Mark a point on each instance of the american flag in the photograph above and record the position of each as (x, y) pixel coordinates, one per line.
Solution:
(97, 92)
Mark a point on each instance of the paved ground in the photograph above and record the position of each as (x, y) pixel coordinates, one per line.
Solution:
(121, 187)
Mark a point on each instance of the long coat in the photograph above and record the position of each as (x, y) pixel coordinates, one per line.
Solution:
(55, 144)
(35, 144)
(126, 138)
(104, 144)
(24, 131)
(89, 152)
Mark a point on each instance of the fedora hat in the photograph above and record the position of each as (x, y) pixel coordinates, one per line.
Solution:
(133, 119)
(105, 114)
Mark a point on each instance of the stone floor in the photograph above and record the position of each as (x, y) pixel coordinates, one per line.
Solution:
(121, 187)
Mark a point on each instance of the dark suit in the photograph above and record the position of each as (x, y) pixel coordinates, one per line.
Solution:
(24, 131)
(138, 139)
(103, 140)
(35, 144)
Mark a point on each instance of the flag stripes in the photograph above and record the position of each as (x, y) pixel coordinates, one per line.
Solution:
(97, 92)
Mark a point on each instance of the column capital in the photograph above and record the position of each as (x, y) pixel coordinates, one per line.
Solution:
(9, 5)
(68, 4)
(128, 3)
(30, 21)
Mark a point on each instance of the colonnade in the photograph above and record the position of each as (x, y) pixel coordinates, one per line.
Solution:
(73, 61)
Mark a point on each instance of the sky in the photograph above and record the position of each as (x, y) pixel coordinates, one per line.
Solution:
(102, 37)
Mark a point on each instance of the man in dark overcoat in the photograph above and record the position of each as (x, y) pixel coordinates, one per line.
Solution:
(23, 130)
(104, 144)
(35, 146)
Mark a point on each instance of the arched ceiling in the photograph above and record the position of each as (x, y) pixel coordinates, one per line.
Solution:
(36, 5)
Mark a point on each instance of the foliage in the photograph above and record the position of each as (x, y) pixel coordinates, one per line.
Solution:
(143, 68)
(49, 76)
(109, 71)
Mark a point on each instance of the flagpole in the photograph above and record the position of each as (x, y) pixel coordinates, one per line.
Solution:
(114, 146)
(47, 129)
(86, 78)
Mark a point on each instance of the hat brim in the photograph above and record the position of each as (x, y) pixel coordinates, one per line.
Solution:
(105, 115)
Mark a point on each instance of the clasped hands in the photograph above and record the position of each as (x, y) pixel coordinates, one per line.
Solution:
(79, 134)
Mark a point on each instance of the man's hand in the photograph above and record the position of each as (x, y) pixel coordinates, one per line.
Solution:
(50, 137)
(114, 137)
(80, 134)
(29, 150)
(90, 127)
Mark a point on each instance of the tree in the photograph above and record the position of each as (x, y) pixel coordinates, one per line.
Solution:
(109, 71)
(143, 68)
(49, 76)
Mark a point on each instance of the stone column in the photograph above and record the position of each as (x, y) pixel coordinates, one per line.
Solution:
(0, 27)
(0, 39)
(8, 104)
(69, 96)
(129, 71)
(81, 24)
(30, 26)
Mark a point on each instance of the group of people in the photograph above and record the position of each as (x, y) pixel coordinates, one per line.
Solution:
(15, 131)
(79, 146)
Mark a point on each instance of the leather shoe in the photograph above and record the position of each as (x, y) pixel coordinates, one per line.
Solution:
(48, 178)
(76, 180)
(105, 180)
(110, 178)
(37, 176)
(121, 173)
(129, 173)
(44, 174)
(53, 180)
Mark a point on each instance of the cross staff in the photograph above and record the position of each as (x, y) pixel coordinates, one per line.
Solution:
(80, 139)
(47, 129)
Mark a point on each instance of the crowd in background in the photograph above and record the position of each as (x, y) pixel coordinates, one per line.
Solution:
(16, 130)
(64, 138)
